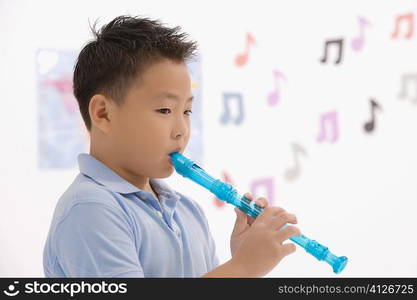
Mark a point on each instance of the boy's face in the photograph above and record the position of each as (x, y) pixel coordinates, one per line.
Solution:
(153, 121)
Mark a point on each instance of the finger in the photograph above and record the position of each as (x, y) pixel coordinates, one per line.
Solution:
(262, 202)
(241, 221)
(249, 196)
(270, 211)
(288, 248)
(283, 218)
(249, 219)
(288, 232)
(239, 214)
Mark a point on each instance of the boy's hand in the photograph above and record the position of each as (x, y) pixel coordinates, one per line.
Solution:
(257, 244)
(243, 223)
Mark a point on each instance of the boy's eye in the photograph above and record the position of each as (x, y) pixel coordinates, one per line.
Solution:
(163, 110)
(167, 110)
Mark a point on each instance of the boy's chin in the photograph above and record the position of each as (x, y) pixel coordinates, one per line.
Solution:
(166, 173)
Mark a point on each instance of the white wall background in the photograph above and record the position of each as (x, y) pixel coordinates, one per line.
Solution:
(356, 195)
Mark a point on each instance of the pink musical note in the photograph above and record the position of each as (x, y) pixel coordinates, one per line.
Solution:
(226, 178)
(274, 96)
(359, 41)
(268, 185)
(408, 20)
(329, 119)
(242, 58)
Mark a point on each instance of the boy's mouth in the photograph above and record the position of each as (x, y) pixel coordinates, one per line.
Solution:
(178, 149)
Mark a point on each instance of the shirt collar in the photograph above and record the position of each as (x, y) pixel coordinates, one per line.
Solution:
(102, 174)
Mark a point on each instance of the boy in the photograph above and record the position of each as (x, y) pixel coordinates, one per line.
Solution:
(118, 218)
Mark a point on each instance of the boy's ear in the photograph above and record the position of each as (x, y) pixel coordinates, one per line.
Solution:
(99, 109)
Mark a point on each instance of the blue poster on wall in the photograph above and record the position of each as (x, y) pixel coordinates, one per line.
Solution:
(61, 132)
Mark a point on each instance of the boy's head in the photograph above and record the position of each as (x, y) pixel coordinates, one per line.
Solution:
(134, 93)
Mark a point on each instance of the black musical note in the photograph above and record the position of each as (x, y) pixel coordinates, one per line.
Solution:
(226, 116)
(370, 125)
(336, 42)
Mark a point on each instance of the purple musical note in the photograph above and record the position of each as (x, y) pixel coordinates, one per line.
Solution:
(331, 120)
(274, 96)
(268, 184)
(359, 41)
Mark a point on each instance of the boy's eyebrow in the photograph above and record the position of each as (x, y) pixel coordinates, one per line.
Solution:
(172, 96)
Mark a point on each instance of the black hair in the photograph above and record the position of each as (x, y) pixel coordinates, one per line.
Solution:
(120, 51)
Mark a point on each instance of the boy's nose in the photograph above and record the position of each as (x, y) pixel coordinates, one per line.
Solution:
(181, 129)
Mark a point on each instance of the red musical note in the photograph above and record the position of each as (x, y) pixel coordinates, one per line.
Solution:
(242, 59)
(408, 19)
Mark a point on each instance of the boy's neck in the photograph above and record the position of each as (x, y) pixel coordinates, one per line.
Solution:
(141, 183)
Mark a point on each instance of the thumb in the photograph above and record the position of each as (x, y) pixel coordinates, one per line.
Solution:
(241, 221)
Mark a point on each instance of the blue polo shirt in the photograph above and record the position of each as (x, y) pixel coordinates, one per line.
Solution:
(103, 226)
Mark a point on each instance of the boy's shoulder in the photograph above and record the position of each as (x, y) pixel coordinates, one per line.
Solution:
(84, 189)
(81, 191)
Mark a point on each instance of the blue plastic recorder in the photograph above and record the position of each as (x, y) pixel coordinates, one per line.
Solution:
(227, 193)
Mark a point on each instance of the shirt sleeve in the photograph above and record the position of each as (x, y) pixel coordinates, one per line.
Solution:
(96, 240)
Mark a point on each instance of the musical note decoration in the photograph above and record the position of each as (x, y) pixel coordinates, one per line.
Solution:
(369, 126)
(226, 117)
(329, 127)
(242, 58)
(293, 173)
(334, 43)
(267, 184)
(407, 20)
(275, 95)
(359, 41)
(408, 79)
